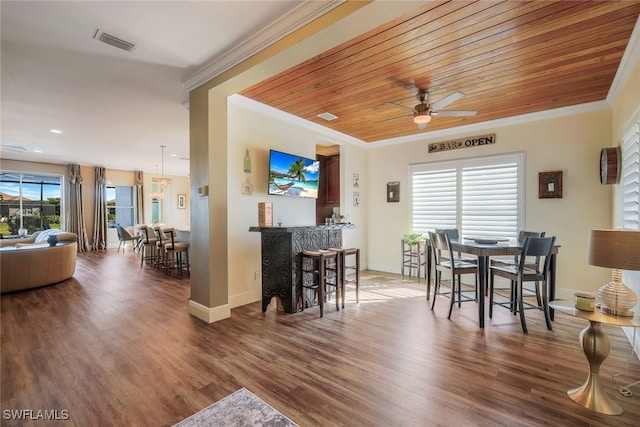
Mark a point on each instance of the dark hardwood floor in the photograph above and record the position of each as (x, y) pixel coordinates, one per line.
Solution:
(115, 346)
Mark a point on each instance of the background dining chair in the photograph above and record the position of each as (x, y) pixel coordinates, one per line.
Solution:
(445, 262)
(534, 248)
(124, 236)
(515, 260)
(454, 235)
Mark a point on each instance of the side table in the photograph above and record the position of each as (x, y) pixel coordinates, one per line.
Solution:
(596, 346)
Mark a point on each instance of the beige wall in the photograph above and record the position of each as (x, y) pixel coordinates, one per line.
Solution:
(261, 134)
(570, 144)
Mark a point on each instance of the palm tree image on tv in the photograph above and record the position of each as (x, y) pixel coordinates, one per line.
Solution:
(291, 175)
(297, 170)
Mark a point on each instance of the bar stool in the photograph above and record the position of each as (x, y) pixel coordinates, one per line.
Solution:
(344, 268)
(148, 245)
(173, 254)
(355, 268)
(161, 240)
(322, 265)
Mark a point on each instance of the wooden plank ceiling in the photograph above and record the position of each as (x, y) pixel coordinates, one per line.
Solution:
(508, 58)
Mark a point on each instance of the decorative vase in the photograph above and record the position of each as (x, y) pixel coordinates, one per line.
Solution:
(52, 240)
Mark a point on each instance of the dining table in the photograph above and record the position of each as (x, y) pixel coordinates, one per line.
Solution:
(484, 249)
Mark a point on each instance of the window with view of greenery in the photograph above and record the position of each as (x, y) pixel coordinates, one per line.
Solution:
(29, 201)
(120, 209)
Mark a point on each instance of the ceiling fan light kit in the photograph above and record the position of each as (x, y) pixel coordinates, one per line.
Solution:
(423, 112)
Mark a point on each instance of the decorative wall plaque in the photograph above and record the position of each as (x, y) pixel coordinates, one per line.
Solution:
(550, 185)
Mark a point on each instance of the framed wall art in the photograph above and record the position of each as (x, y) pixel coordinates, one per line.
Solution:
(550, 185)
(182, 201)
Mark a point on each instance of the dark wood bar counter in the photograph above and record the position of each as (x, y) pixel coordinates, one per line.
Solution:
(281, 249)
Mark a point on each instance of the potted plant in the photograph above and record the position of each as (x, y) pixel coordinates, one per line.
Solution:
(413, 239)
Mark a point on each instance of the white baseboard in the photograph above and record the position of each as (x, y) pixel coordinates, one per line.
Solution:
(209, 314)
(245, 298)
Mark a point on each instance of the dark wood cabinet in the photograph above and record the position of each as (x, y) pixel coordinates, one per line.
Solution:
(328, 187)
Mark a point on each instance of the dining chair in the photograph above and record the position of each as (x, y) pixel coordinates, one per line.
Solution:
(536, 252)
(513, 261)
(445, 262)
(454, 235)
(124, 236)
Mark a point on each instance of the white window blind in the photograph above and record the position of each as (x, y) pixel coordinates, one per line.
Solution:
(481, 197)
(630, 178)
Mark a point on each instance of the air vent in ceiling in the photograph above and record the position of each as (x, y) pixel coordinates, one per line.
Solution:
(327, 116)
(113, 41)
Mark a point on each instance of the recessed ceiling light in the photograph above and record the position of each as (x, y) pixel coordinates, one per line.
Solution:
(56, 131)
(174, 155)
(37, 151)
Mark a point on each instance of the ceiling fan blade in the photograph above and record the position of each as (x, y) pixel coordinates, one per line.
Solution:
(449, 99)
(454, 113)
(400, 106)
(394, 118)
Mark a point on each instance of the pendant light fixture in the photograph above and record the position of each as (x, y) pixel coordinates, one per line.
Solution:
(163, 182)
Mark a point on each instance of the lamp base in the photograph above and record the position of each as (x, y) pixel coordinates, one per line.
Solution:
(614, 312)
(615, 297)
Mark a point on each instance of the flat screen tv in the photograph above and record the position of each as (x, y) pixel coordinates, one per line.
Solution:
(291, 175)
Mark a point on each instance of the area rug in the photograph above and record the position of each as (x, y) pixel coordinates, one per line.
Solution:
(239, 409)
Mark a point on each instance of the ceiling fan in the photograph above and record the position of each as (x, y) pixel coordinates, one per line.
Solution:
(423, 112)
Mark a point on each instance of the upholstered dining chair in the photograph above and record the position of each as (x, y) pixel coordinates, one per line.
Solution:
(534, 248)
(124, 236)
(147, 245)
(176, 254)
(446, 261)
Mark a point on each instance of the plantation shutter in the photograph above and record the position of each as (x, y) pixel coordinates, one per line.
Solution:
(490, 200)
(434, 200)
(481, 197)
(630, 178)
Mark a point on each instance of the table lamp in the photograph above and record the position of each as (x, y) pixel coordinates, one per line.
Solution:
(619, 250)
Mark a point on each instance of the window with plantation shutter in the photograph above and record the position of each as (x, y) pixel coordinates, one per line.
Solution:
(630, 178)
(481, 197)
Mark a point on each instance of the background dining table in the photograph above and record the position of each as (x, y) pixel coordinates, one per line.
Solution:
(484, 249)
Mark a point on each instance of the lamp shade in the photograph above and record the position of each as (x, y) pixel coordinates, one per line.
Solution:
(614, 249)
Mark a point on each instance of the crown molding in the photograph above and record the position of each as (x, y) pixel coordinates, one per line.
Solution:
(287, 24)
(630, 58)
(339, 137)
(323, 133)
(493, 124)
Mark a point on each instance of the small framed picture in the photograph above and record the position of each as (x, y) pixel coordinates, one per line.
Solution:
(182, 201)
(393, 192)
(550, 185)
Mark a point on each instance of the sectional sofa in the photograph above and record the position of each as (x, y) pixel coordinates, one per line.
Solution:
(31, 262)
